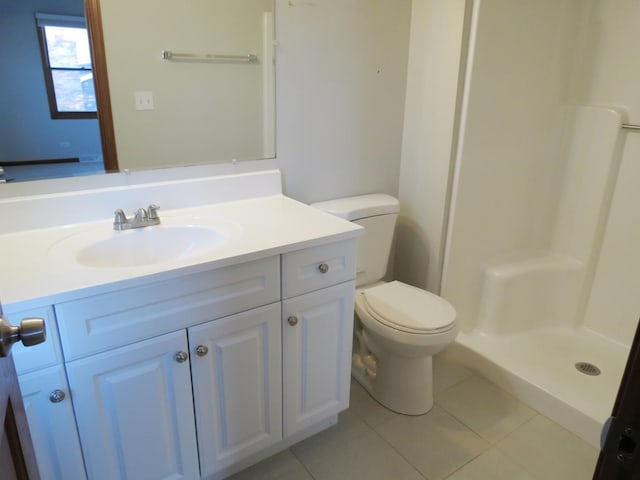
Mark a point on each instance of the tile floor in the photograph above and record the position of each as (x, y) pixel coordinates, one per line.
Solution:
(474, 432)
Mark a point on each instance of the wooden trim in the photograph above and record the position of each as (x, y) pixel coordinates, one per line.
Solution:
(101, 80)
(625, 410)
(51, 161)
(51, 91)
(13, 422)
(48, 81)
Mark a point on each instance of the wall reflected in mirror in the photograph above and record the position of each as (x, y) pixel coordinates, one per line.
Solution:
(192, 111)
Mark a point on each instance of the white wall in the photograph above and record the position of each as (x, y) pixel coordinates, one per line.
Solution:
(435, 51)
(508, 163)
(340, 80)
(27, 131)
(607, 74)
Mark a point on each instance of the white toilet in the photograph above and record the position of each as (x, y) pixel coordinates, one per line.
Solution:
(398, 327)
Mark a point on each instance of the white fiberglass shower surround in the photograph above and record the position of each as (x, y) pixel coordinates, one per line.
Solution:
(542, 259)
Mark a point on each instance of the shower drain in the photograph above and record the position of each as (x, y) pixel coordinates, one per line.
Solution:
(587, 368)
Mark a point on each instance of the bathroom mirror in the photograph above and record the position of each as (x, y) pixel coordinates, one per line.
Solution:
(183, 111)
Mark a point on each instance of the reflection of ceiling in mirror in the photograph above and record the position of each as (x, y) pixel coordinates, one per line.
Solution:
(194, 111)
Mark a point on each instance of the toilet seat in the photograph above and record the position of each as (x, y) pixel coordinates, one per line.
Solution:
(408, 309)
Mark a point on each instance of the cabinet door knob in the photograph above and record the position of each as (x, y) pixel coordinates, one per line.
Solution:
(202, 350)
(56, 396)
(181, 357)
(323, 267)
(293, 320)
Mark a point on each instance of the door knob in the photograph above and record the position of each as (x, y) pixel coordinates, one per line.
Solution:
(31, 332)
(323, 267)
(293, 320)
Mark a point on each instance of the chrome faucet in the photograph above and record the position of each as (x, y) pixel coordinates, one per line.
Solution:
(142, 218)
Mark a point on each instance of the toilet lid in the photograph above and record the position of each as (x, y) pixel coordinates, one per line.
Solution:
(409, 308)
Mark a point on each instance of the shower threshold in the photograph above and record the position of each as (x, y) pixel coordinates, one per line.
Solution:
(538, 367)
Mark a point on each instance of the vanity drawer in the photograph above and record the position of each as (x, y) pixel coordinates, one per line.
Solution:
(318, 267)
(102, 322)
(46, 354)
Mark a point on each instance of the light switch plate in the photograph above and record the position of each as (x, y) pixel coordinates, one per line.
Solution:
(143, 100)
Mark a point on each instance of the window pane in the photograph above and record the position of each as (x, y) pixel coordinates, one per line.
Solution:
(68, 47)
(74, 90)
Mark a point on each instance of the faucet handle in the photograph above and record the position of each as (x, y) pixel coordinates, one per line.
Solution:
(141, 215)
(153, 212)
(119, 220)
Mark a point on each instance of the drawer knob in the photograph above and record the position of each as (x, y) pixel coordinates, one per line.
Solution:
(181, 357)
(323, 267)
(56, 396)
(202, 350)
(293, 320)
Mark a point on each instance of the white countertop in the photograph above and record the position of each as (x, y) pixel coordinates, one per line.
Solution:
(36, 271)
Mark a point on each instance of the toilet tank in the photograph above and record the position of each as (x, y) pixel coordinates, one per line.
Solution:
(377, 213)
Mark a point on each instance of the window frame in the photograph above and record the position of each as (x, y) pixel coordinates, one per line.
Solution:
(48, 70)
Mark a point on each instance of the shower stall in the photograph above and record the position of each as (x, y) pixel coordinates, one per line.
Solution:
(542, 258)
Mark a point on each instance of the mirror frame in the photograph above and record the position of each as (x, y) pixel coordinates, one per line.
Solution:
(93, 17)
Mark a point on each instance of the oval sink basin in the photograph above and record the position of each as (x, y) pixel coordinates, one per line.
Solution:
(175, 240)
(150, 245)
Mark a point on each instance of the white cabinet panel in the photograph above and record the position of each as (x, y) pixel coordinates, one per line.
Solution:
(45, 354)
(237, 386)
(318, 267)
(52, 425)
(134, 410)
(317, 338)
(93, 324)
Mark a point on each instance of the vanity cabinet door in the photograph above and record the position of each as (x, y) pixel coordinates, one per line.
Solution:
(317, 331)
(237, 386)
(53, 427)
(134, 410)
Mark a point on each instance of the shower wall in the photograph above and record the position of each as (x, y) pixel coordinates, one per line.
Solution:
(543, 229)
(509, 164)
(607, 73)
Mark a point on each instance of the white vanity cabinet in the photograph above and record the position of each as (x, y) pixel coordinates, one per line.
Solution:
(47, 401)
(134, 410)
(237, 386)
(203, 374)
(129, 364)
(229, 344)
(317, 336)
(135, 404)
(52, 424)
(317, 327)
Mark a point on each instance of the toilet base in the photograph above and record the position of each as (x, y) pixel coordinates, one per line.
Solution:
(401, 384)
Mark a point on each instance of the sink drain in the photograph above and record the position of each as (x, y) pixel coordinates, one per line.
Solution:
(587, 368)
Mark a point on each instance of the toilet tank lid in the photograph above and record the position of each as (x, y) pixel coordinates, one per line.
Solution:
(361, 206)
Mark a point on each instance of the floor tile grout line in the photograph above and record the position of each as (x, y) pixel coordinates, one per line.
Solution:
(489, 446)
(304, 465)
(400, 454)
(518, 463)
(488, 440)
(492, 442)
(515, 460)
